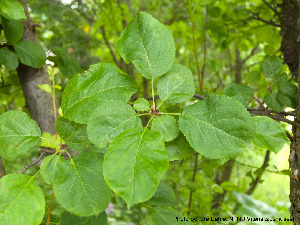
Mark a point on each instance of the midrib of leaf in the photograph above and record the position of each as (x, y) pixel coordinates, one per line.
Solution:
(119, 125)
(170, 93)
(163, 125)
(161, 215)
(31, 179)
(144, 46)
(212, 126)
(77, 173)
(84, 98)
(138, 147)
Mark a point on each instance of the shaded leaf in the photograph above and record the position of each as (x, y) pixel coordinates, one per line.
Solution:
(240, 92)
(51, 167)
(271, 99)
(271, 66)
(18, 133)
(177, 85)
(84, 92)
(80, 187)
(148, 44)
(9, 59)
(167, 216)
(74, 134)
(164, 196)
(30, 53)
(134, 164)
(166, 125)
(13, 30)
(217, 127)
(269, 134)
(179, 149)
(110, 119)
(21, 200)
(70, 219)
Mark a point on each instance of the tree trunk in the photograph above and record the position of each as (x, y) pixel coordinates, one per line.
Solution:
(38, 102)
(290, 46)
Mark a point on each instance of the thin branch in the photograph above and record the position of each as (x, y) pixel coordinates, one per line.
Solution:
(258, 177)
(254, 50)
(103, 32)
(194, 48)
(42, 155)
(270, 113)
(204, 57)
(272, 8)
(259, 102)
(255, 16)
(2, 168)
(254, 167)
(193, 180)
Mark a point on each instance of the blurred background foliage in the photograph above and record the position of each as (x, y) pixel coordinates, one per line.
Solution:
(78, 33)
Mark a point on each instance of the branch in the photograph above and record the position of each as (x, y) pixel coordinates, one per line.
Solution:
(255, 16)
(270, 113)
(42, 155)
(110, 48)
(193, 180)
(2, 168)
(272, 8)
(254, 50)
(204, 59)
(258, 177)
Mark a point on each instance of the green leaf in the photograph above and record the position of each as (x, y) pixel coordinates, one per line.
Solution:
(166, 216)
(18, 133)
(110, 119)
(164, 196)
(177, 85)
(70, 219)
(50, 169)
(46, 87)
(216, 188)
(167, 126)
(179, 149)
(148, 44)
(51, 141)
(80, 187)
(217, 127)
(67, 66)
(13, 30)
(287, 92)
(269, 134)
(271, 66)
(73, 133)
(271, 99)
(30, 53)
(253, 77)
(84, 92)
(12, 9)
(240, 92)
(134, 164)
(21, 200)
(229, 186)
(141, 104)
(9, 59)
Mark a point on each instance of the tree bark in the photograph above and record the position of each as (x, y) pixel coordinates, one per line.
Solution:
(38, 102)
(290, 46)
